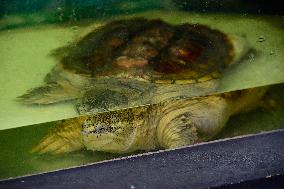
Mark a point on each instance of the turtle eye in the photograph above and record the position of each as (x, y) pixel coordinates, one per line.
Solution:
(98, 128)
(102, 128)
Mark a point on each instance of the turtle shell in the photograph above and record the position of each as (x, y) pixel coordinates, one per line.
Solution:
(151, 49)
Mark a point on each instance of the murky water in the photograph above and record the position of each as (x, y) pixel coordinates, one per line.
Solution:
(25, 60)
(16, 144)
(25, 54)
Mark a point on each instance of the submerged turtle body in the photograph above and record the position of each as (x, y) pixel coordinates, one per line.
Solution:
(166, 125)
(134, 62)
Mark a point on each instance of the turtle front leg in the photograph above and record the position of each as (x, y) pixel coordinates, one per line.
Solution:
(188, 121)
(64, 137)
(179, 132)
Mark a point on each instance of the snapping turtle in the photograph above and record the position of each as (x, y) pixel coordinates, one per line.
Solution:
(132, 62)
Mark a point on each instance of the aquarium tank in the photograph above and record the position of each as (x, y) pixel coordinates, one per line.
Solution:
(88, 81)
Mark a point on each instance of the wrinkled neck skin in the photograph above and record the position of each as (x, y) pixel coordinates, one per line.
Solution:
(145, 137)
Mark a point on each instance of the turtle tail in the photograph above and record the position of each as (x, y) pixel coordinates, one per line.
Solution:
(64, 137)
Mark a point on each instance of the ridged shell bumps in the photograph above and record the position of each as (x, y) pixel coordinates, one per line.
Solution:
(160, 51)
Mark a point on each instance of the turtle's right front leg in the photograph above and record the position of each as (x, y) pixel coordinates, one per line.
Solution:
(188, 121)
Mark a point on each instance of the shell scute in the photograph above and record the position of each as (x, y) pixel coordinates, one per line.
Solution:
(163, 51)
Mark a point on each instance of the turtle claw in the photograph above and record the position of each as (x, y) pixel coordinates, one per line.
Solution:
(41, 95)
(48, 94)
(63, 138)
(47, 145)
(63, 149)
(55, 145)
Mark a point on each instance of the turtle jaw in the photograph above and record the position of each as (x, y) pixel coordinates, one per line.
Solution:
(107, 137)
(106, 142)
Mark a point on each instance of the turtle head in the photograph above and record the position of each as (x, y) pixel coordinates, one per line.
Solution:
(113, 131)
(96, 100)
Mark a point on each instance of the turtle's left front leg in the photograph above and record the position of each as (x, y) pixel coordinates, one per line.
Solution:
(64, 137)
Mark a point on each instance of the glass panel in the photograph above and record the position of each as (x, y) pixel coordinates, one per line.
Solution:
(25, 53)
(42, 148)
(176, 70)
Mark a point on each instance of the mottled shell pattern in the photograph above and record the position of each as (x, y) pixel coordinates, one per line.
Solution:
(150, 50)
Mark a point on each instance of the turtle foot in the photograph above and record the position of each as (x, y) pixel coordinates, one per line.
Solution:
(48, 94)
(63, 138)
(54, 145)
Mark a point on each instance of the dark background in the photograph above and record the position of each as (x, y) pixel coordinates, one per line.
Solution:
(92, 8)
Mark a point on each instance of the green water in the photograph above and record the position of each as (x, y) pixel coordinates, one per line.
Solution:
(16, 159)
(25, 60)
(258, 120)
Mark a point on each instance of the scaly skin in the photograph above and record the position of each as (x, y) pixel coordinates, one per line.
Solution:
(162, 126)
